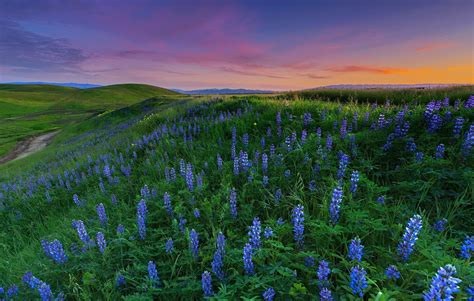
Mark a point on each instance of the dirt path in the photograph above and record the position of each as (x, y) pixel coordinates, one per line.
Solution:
(28, 146)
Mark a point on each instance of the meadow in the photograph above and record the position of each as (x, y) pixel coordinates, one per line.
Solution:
(30, 110)
(248, 198)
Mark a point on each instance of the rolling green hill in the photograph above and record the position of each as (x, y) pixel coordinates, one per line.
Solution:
(27, 110)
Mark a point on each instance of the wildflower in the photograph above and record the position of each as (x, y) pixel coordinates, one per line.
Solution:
(335, 205)
(236, 166)
(189, 177)
(440, 225)
(356, 250)
(219, 162)
(247, 258)
(406, 246)
(101, 242)
(120, 229)
(343, 161)
(309, 261)
(287, 173)
(101, 213)
(440, 151)
(82, 232)
(264, 162)
(268, 232)
(218, 259)
(254, 233)
(55, 251)
(329, 142)
(181, 223)
(268, 294)
(207, 284)
(443, 284)
(194, 243)
(141, 219)
(278, 195)
(169, 246)
(120, 281)
(358, 281)
(467, 248)
(153, 274)
(343, 130)
(76, 200)
(45, 292)
(354, 181)
(323, 273)
(233, 203)
(298, 226)
(468, 143)
(419, 156)
(325, 294)
(381, 199)
(392, 272)
(265, 180)
(12, 291)
(458, 124)
(167, 203)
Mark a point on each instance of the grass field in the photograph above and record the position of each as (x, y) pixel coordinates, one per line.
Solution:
(245, 198)
(28, 110)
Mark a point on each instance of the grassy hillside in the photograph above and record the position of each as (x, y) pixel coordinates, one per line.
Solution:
(27, 110)
(235, 198)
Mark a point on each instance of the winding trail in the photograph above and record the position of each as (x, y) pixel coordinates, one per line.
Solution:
(28, 146)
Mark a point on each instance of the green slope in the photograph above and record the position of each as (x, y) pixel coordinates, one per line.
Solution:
(27, 110)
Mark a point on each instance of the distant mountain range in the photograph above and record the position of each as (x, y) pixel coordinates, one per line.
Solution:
(222, 91)
(72, 85)
(388, 86)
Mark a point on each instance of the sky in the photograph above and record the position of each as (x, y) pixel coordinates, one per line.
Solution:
(257, 44)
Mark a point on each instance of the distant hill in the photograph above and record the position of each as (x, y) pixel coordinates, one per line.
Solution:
(388, 86)
(222, 91)
(72, 85)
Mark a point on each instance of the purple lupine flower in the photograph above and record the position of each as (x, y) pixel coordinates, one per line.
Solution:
(356, 250)
(268, 232)
(120, 280)
(469, 102)
(181, 223)
(312, 185)
(153, 274)
(173, 174)
(141, 219)
(101, 242)
(265, 181)
(358, 281)
(470, 293)
(247, 258)
(329, 142)
(307, 119)
(268, 294)
(287, 173)
(76, 200)
(439, 151)
(169, 246)
(182, 168)
(443, 284)
(120, 229)
(325, 294)
(467, 248)
(194, 243)
(354, 181)
(411, 145)
(45, 292)
(468, 143)
(343, 130)
(278, 195)
(167, 203)
(245, 139)
(114, 200)
(236, 166)
(189, 177)
(298, 225)
(219, 162)
(206, 281)
(440, 225)
(323, 273)
(309, 261)
(343, 161)
(288, 143)
(254, 233)
(280, 221)
(218, 260)
(392, 272)
(335, 205)
(458, 124)
(419, 156)
(197, 213)
(145, 192)
(304, 134)
(101, 213)
(233, 203)
(12, 291)
(381, 121)
(55, 251)
(264, 162)
(406, 246)
(82, 232)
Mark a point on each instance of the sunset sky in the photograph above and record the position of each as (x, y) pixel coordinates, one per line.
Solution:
(255, 44)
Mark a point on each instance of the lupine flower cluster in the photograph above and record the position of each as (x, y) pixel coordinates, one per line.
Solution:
(343, 161)
(194, 243)
(82, 232)
(101, 213)
(233, 203)
(298, 225)
(356, 250)
(443, 285)
(254, 233)
(440, 225)
(141, 219)
(207, 284)
(323, 273)
(406, 246)
(167, 203)
(247, 259)
(269, 294)
(358, 281)
(440, 151)
(218, 260)
(392, 272)
(153, 274)
(335, 205)
(55, 251)
(101, 243)
(354, 181)
(169, 246)
(467, 248)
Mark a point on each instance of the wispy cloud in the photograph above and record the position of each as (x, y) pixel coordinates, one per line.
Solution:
(249, 73)
(432, 46)
(315, 76)
(368, 69)
(20, 48)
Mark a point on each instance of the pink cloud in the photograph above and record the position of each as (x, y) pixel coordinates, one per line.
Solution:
(431, 46)
(368, 69)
